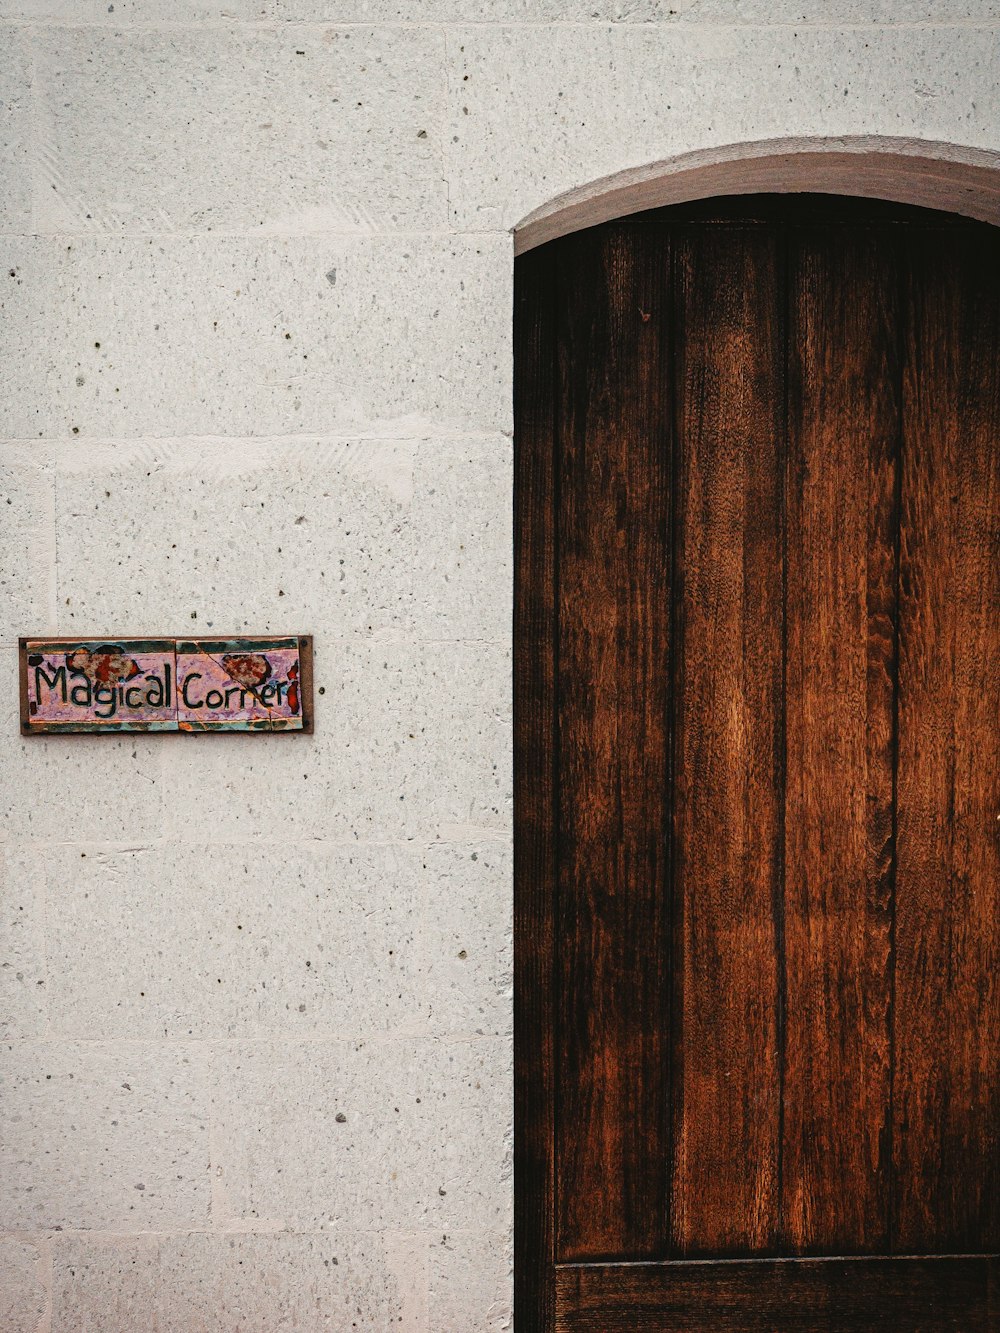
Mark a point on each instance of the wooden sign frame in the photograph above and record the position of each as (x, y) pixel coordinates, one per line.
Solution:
(179, 717)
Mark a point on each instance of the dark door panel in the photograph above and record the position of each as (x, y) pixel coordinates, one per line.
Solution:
(757, 770)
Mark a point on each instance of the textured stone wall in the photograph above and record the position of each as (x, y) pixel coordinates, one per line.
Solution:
(255, 993)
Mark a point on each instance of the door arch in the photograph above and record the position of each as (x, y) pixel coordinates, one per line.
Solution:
(757, 766)
(929, 173)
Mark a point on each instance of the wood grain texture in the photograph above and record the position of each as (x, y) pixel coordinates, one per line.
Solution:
(727, 803)
(613, 684)
(947, 1038)
(842, 522)
(757, 773)
(534, 790)
(943, 1295)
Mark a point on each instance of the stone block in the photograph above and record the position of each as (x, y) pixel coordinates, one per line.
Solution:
(241, 537)
(237, 1283)
(224, 941)
(466, 937)
(237, 129)
(23, 967)
(471, 1282)
(323, 1134)
(30, 333)
(332, 336)
(461, 782)
(124, 13)
(463, 540)
(16, 131)
(391, 1134)
(27, 545)
(105, 1137)
(799, 12)
(23, 1285)
(129, 13)
(110, 1284)
(467, 1134)
(539, 13)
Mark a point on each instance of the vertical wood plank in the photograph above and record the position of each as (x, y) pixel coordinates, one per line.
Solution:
(842, 525)
(947, 1079)
(728, 753)
(534, 788)
(613, 684)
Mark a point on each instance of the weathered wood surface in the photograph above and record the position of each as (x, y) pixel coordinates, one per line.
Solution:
(613, 681)
(946, 1122)
(758, 753)
(534, 793)
(841, 515)
(942, 1295)
(727, 798)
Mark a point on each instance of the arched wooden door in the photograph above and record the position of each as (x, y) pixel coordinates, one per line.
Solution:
(757, 697)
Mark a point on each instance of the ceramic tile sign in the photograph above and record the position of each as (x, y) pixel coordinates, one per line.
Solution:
(186, 685)
(224, 685)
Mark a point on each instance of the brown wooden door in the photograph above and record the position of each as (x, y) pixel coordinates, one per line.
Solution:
(757, 782)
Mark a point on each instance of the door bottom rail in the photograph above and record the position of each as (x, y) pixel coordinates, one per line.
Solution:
(904, 1294)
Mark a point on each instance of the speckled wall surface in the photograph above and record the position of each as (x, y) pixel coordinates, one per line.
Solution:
(256, 347)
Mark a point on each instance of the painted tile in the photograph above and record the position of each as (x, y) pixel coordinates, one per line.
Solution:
(129, 685)
(239, 685)
(189, 685)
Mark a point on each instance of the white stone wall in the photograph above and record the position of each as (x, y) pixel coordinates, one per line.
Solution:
(255, 993)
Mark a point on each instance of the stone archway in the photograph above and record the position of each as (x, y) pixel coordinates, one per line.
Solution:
(906, 171)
